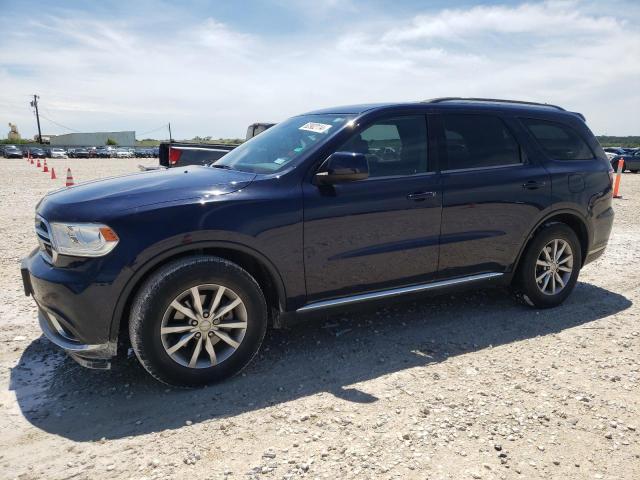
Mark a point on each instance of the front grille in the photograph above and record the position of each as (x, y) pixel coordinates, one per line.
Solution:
(44, 238)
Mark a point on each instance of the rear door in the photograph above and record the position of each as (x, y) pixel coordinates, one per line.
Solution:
(493, 192)
(380, 232)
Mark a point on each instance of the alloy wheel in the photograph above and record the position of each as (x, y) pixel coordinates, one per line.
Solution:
(554, 267)
(204, 326)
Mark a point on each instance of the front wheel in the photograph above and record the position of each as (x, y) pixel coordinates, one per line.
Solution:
(197, 320)
(549, 269)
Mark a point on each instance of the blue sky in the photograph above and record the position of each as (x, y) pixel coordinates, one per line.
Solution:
(211, 68)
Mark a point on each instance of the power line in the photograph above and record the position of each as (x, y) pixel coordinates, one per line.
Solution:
(59, 124)
(162, 127)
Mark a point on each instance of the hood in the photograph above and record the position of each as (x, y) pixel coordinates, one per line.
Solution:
(99, 197)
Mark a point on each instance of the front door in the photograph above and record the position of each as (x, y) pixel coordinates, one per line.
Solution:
(380, 232)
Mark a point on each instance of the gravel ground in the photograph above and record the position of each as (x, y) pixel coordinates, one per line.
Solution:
(460, 386)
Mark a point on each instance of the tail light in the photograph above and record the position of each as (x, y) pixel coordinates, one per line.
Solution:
(174, 155)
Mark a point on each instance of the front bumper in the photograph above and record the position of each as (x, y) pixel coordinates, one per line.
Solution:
(68, 315)
(90, 356)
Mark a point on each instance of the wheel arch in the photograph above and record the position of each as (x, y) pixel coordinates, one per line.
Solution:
(256, 264)
(573, 219)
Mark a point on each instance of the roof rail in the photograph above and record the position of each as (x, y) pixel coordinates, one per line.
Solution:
(491, 100)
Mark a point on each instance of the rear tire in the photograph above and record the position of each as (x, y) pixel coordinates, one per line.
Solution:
(175, 336)
(545, 280)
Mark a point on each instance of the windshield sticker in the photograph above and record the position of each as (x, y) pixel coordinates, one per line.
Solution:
(315, 127)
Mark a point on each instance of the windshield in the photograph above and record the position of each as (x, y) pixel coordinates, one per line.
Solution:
(281, 145)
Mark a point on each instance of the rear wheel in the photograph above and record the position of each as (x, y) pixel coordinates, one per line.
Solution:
(198, 320)
(549, 269)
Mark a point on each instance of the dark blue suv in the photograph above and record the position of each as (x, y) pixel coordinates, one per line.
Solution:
(326, 209)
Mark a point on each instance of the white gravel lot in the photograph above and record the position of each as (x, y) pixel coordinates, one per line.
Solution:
(465, 386)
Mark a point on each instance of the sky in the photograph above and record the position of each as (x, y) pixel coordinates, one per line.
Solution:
(213, 67)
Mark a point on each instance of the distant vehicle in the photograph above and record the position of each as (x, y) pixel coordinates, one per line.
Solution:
(632, 161)
(195, 263)
(11, 151)
(143, 152)
(611, 152)
(257, 128)
(175, 154)
(37, 153)
(103, 152)
(92, 152)
(629, 160)
(614, 150)
(79, 153)
(124, 153)
(57, 153)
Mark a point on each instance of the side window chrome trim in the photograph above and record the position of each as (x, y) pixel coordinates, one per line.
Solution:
(476, 169)
(391, 177)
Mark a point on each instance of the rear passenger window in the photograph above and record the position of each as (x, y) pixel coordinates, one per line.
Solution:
(478, 141)
(394, 146)
(559, 141)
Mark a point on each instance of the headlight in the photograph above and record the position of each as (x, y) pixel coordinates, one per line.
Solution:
(83, 239)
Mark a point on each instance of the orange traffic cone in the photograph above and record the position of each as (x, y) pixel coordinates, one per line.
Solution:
(32, 161)
(45, 169)
(38, 164)
(616, 183)
(53, 173)
(69, 178)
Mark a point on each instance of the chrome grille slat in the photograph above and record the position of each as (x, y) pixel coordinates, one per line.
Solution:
(44, 240)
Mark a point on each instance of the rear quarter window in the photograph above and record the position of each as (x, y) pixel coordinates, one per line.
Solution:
(559, 141)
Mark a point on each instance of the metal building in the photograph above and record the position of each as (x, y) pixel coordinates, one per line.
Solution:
(97, 139)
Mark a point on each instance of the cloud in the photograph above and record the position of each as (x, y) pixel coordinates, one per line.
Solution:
(541, 19)
(209, 78)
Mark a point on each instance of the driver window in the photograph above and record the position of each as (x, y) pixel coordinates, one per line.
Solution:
(394, 146)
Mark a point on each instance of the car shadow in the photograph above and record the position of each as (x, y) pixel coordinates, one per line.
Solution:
(328, 354)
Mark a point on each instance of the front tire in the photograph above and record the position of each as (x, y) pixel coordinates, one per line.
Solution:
(549, 270)
(198, 320)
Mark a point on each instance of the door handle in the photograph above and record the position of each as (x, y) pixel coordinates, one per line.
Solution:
(420, 195)
(533, 185)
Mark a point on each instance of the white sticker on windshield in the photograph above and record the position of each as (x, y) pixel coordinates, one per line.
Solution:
(315, 127)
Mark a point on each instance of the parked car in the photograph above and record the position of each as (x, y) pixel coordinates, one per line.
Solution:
(628, 159)
(143, 153)
(11, 151)
(57, 153)
(79, 153)
(123, 153)
(611, 152)
(36, 152)
(179, 154)
(92, 151)
(104, 152)
(632, 161)
(195, 262)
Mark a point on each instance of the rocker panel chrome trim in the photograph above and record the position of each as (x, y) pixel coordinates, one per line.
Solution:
(364, 297)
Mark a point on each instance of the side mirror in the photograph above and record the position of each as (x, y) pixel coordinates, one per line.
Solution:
(343, 167)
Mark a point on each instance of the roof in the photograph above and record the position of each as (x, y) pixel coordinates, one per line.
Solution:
(450, 102)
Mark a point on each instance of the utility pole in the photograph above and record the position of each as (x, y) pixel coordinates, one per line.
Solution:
(170, 132)
(34, 104)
